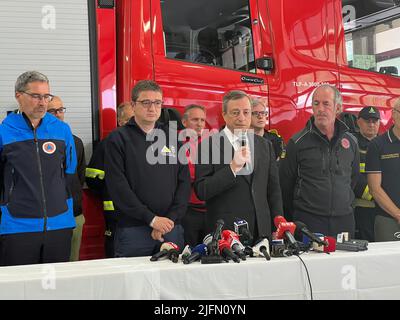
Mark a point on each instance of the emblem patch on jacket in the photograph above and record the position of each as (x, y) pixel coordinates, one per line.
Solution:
(165, 151)
(49, 147)
(345, 143)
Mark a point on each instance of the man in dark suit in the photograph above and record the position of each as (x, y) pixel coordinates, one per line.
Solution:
(237, 174)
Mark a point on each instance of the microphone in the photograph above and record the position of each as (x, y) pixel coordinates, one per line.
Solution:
(261, 248)
(218, 229)
(242, 229)
(300, 226)
(249, 251)
(164, 250)
(286, 230)
(173, 255)
(226, 252)
(197, 252)
(216, 235)
(234, 242)
(187, 251)
(243, 139)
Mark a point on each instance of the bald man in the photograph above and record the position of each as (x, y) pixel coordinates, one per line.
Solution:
(56, 108)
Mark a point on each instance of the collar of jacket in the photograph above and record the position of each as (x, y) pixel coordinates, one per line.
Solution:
(21, 122)
(340, 128)
(133, 124)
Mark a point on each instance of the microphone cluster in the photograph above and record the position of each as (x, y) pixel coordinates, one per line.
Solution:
(225, 245)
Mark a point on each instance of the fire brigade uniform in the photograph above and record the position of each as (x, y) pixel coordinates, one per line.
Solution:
(95, 180)
(364, 204)
(277, 143)
(37, 207)
(383, 156)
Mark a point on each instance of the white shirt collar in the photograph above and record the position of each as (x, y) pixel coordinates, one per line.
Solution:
(233, 139)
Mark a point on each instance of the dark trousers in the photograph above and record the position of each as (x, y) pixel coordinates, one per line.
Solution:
(194, 224)
(36, 247)
(137, 241)
(328, 226)
(365, 222)
(109, 234)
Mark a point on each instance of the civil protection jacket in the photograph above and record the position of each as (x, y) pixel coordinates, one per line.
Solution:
(318, 176)
(35, 167)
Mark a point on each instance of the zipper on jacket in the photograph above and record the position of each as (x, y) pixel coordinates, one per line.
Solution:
(10, 191)
(41, 180)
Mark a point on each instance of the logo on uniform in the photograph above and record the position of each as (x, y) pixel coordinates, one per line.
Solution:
(170, 152)
(345, 143)
(49, 147)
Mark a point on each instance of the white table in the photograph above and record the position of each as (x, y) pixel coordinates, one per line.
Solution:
(372, 274)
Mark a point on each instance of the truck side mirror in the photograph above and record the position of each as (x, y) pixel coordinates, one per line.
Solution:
(389, 70)
(265, 63)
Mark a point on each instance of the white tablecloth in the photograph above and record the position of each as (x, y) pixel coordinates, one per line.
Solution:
(372, 274)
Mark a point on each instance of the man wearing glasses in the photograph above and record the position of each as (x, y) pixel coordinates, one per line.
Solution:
(151, 198)
(56, 108)
(259, 115)
(382, 168)
(37, 157)
(237, 174)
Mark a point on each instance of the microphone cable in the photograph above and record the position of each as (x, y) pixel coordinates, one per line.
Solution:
(308, 275)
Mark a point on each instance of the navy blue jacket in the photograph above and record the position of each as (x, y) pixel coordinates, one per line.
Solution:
(35, 167)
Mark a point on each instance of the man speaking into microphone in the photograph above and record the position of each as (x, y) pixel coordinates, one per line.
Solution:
(237, 174)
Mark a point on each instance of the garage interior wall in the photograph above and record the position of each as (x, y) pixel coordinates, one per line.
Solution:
(51, 37)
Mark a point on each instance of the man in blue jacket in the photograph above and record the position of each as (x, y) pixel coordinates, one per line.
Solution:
(37, 158)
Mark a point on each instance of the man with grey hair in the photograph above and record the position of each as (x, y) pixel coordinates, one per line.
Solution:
(37, 158)
(244, 185)
(321, 168)
(259, 116)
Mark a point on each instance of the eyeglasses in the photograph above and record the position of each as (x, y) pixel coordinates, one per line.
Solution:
(38, 97)
(259, 113)
(55, 111)
(148, 103)
(236, 113)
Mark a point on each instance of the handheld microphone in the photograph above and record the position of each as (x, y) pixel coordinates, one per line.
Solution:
(261, 248)
(164, 249)
(233, 239)
(243, 139)
(226, 251)
(197, 252)
(300, 226)
(286, 230)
